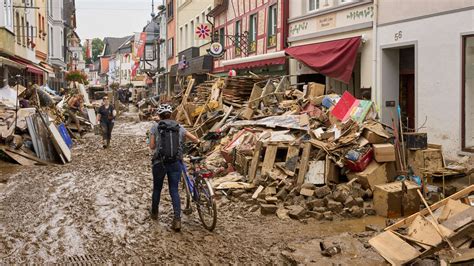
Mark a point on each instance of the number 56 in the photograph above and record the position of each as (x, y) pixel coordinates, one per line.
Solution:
(398, 35)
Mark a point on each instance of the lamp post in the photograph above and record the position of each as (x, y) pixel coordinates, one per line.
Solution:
(75, 60)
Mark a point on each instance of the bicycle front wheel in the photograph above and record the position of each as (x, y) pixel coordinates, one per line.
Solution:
(206, 204)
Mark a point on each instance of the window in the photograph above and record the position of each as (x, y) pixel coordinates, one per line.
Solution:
(50, 8)
(170, 48)
(23, 33)
(238, 32)
(181, 37)
(203, 15)
(8, 14)
(32, 38)
(272, 25)
(51, 34)
(222, 36)
(468, 94)
(192, 33)
(42, 25)
(314, 5)
(253, 33)
(186, 37)
(170, 10)
(17, 26)
(28, 34)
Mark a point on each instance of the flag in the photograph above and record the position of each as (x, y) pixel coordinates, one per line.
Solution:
(139, 45)
(88, 49)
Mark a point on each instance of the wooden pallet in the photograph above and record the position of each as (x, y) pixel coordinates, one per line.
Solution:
(293, 159)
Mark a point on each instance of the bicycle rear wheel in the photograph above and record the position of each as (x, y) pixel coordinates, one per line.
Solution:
(206, 204)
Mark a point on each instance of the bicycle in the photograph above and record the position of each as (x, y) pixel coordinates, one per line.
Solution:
(199, 190)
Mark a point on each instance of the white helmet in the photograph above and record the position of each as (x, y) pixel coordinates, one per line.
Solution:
(165, 108)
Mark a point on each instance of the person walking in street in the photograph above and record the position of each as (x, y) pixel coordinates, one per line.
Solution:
(106, 118)
(75, 106)
(167, 139)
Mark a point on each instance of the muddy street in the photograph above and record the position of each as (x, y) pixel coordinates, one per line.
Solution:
(95, 209)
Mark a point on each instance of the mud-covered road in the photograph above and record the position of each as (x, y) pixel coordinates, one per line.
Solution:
(95, 210)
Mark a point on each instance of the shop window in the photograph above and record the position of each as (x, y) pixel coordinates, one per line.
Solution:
(238, 32)
(272, 26)
(468, 93)
(253, 33)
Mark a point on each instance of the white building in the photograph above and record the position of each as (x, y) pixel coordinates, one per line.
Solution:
(315, 25)
(56, 51)
(425, 64)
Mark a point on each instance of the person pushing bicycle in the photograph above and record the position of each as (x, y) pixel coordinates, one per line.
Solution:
(167, 140)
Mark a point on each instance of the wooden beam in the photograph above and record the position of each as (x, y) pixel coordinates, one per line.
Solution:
(255, 160)
(269, 160)
(304, 162)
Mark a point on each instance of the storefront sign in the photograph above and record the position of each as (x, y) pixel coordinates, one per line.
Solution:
(216, 49)
(332, 20)
(326, 22)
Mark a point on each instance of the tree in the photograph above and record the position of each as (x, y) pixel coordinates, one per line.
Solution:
(97, 48)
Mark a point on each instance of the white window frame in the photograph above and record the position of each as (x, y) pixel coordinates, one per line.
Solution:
(192, 26)
(316, 3)
(254, 26)
(274, 18)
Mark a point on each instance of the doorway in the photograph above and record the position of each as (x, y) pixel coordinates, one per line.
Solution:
(406, 94)
(398, 83)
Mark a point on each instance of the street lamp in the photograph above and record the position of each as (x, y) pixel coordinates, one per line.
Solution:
(75, 59)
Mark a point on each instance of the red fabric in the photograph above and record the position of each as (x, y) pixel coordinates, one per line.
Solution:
(104, 65)
(260, 63)
(34, 70)
(335, 59)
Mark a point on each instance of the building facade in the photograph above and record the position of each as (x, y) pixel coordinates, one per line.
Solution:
(425, 64)
(253, 34)
(56, 43)
(333, 26)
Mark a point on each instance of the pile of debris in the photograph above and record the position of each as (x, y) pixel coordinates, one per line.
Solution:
(33, 126)
(304, 152)
(443, 231)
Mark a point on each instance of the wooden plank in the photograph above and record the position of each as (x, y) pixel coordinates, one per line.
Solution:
(423, 230)
(304, 162)
(394, 249)
(255, 160)
(452, 208)
(460, 194)
(18, 158)
(460, 220)
(293, 151)
(28, 156)
(269, 160)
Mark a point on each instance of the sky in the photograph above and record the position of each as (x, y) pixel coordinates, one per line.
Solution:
(112, 18)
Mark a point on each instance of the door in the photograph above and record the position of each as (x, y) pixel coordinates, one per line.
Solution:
(407, 99)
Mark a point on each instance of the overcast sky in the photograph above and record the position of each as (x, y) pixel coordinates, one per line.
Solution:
(112, 18)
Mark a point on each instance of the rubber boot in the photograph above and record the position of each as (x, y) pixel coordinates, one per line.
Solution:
(104, 145)
(108, 143)
(176, 225)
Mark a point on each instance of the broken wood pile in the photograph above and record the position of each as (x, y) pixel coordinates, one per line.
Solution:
(237, 90)
(302, 150)
(32, 126)
(444, 231)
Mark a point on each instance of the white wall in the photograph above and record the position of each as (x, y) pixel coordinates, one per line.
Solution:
(437, 72)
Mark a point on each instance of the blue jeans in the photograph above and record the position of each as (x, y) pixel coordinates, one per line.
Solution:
(173, 171)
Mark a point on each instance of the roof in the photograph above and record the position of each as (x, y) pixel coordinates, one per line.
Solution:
(112, 44)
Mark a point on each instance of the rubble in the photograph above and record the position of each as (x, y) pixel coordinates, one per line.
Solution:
(33, 127)
(445, 225)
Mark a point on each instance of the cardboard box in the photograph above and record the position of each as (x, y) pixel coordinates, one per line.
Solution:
(372, 137)
(315, 89)
(384, 152)
(375, 174)
(389, 199)
(430, 159)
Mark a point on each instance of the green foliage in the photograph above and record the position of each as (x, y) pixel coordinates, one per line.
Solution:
(78, 76)
(97, 48)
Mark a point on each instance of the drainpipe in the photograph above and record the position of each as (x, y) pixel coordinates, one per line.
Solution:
(374, 93)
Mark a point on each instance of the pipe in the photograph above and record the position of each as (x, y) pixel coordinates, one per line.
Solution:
(374, 94)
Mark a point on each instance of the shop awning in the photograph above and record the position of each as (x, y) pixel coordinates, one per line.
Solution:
(34, 69)
(335, 59)
(46, 68)
(11, 63)
(261, 60)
